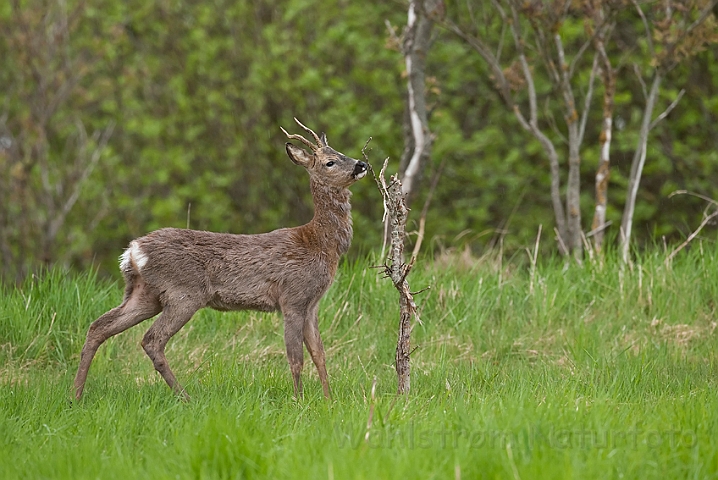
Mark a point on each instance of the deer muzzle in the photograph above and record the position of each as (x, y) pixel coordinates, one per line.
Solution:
(360, 170)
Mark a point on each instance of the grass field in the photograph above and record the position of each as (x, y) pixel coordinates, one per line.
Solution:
(557, 372)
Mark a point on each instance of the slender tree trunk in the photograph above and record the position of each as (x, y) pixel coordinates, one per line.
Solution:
(403, 348)
(603, 173)
(604, 164)
(397, 271)
(555, 170)
(574, 241)
(529, 122)
(558, 212)
(573, 192)
(639, 160)
(418, 139)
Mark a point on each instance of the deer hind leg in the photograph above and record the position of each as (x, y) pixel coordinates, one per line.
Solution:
(313, 341)
(174, 316)
(140, 303)
(293, 327)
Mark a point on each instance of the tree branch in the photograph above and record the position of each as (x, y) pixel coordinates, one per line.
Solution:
(484, 51)
(518, 42)
(693, 235)
(668, 110)
(637, 71)
(649, 37)
(587, 100)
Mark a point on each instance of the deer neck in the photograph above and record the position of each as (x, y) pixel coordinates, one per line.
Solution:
(332, 222)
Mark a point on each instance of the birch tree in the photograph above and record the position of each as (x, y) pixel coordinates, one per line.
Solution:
(417, 135)
(536, 26)
(674, 31)
(599, 27)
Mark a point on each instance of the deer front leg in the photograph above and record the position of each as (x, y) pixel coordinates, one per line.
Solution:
(313, 341)
(293, 327)
(172, 319)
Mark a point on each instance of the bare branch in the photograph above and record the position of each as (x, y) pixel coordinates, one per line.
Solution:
(649, 37)
(599, 229)
(668, 110)
(587, 100)
(693, 194)
(500, 9)
(397, 270)
(392, 33)
(565, 78)
(552, 122)
(577, 57)
(561, 244)
(544, 50)
(522, 120)
(381, 185)
(485, 52)
(691, 236)
(637, 71)
(500, 47)
(518, 41)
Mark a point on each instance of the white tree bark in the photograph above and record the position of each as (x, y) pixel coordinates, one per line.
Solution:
(603, 172)
(639, 160)
(418, 144)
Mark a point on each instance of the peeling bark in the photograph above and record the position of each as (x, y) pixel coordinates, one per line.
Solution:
(395, 269)
(603, 172)
(418, 139)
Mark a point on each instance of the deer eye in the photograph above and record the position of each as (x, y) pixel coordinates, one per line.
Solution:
(329, 164)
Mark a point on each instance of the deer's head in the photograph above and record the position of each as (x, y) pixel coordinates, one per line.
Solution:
(324, 164)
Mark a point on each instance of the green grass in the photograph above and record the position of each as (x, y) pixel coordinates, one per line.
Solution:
(566, 372)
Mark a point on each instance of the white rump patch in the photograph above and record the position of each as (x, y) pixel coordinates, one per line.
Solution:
(133, 256)
(125, 260)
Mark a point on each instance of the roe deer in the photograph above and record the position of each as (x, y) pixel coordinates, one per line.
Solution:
(177, 272)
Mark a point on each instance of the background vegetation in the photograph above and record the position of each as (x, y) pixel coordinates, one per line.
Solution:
(120, 117)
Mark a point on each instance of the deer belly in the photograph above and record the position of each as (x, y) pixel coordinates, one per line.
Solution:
(226, 301)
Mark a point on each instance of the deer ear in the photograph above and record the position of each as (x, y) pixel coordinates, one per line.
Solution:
(298, 155)
(324, 139)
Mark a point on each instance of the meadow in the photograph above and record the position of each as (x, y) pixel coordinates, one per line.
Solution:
(520, 371)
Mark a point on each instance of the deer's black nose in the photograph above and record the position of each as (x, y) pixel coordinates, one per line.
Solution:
(360, 167)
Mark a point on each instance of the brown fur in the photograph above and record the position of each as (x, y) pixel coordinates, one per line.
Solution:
(177, 272)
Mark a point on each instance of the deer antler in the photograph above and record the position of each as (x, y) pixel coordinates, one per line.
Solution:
(321, 142)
